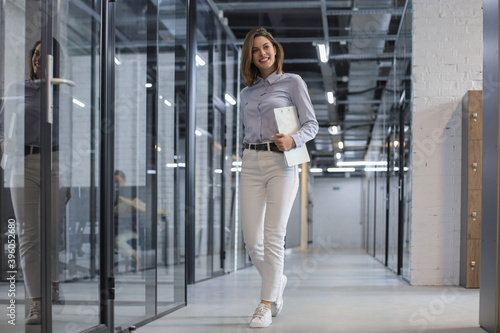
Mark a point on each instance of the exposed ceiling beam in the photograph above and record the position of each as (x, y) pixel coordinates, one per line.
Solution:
(268, 5)
(327, 71)
(333, 39)
(349, 56)
(366, 11)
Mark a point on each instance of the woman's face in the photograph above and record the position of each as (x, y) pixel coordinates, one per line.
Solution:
(36, 61)
(263, 55)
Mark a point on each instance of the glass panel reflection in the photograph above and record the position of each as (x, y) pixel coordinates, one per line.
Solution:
(75, 260)
(216, 94)
(20, 145)
(135, 221)
(73, 285)
(171, 155)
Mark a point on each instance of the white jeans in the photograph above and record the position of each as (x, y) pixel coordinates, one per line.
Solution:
(25, 192)
(268, 190)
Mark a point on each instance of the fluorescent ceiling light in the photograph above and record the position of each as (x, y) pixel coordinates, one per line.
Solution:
(402, 98)
(167, 103)
(338, 156)
(375, 169)
(315, 170)
(323, 53)
(148, 85)
(200, 61)
(340, 169)
(331, 97)
(230, 99)
(79, 103)
(334, 130)
(175, 165)
(198, 133)
(361, 163)
(340, 145)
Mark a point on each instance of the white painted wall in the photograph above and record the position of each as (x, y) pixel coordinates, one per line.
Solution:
(447, 62)
(337, 213)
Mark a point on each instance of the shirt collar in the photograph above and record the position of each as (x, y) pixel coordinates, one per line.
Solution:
(273, 78)
(270, 79)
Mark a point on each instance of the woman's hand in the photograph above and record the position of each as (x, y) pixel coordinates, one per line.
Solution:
(283, 141)
(68, 195)
(8, 146)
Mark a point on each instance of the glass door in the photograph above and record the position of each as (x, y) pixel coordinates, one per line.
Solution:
(75, 166)
(50, 173)
(217, 229)
(137, 216)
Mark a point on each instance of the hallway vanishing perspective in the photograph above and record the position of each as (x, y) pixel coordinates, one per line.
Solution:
(327, 291)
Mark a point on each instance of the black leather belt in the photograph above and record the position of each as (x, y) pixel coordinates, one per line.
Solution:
(30, 150)
(271, 146)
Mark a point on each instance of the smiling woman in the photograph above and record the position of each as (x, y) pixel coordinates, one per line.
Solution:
(268, 184)
(263, 53)
(252, 48)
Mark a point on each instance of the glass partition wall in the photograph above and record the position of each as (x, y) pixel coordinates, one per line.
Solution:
(388, 192)
(93, 145)
(50, 172)
(94, 130)
(216, 95)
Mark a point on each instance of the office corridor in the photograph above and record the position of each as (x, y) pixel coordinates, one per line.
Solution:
(327, 291)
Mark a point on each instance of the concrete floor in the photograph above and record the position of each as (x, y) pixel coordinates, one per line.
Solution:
(327, 291)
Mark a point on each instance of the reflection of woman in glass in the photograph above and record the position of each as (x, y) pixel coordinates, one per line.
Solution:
(125, 220)
(25, 178)
(268, 184)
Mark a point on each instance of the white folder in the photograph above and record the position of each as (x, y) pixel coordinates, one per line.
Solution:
(10, 133)
(288, 123)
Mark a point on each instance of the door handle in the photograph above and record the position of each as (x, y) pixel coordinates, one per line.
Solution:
(53, 80)
(56, 80)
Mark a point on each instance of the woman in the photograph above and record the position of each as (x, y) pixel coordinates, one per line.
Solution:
(268, 185)
(24, 148)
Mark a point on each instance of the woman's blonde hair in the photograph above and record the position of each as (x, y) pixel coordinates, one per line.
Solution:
(249, 71)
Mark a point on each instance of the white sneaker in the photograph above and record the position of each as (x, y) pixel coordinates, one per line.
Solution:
(261, 317)
(34, 315)
(278, 305)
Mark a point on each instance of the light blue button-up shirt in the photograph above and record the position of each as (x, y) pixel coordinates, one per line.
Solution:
(278, 90)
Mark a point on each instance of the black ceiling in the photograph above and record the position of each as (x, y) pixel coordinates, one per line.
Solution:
(361, 36)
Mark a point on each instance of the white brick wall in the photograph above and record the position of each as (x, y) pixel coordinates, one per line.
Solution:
(447, 62)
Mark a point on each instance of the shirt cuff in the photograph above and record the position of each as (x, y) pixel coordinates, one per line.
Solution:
(298, 142)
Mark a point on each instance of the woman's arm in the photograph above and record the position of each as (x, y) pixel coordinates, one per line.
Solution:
(307, 116)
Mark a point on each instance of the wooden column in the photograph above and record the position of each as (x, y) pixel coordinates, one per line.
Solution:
(472, 145)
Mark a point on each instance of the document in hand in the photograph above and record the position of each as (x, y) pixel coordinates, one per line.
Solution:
(288, 123)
